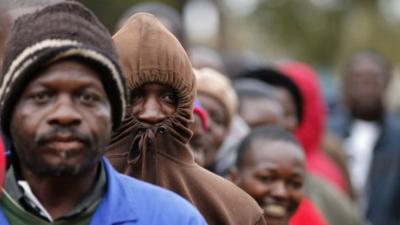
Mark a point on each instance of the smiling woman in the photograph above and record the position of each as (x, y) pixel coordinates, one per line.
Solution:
(270, 167)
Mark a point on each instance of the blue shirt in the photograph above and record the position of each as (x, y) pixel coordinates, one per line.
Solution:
(130, 201)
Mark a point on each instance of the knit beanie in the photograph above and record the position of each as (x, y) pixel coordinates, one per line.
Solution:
(219, 87)
(65, 30)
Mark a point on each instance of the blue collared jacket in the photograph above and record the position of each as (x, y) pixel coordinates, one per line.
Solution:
(129, 201)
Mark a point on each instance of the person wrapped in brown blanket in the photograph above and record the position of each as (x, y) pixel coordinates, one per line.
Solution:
(159, 152)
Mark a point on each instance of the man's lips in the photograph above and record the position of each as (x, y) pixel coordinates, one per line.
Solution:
(64, 143)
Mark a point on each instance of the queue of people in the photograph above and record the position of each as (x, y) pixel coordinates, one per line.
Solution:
(129, 129)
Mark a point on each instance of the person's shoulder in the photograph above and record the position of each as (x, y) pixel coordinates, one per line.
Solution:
(161, 204)
(230, 193)
(339, 120)
(392, 121)
(389, 140)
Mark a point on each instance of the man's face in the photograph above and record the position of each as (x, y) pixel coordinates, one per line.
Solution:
(61, 121)
(273, 174)
(290, 118)
(364, 87)
(218, 125)
(152, 103)
(199, 142)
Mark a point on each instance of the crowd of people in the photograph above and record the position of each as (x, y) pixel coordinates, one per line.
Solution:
(139, 127)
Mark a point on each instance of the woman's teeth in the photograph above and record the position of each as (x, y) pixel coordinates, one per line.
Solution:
(275, 210)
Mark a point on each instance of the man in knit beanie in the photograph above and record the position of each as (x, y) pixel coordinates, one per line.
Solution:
(61, 95)
(152, 142)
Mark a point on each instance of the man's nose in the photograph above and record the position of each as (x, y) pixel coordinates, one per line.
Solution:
(279, 190)
(151, 112)
(64, 113)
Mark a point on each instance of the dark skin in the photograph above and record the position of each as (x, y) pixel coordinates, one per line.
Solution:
(290, 118)
(365, 83)
(261, 111)
(218, 126)
(273, 174)
(59, 145)
(199, 141)
(152, 103)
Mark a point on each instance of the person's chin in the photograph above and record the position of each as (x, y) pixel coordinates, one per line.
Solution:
(275, 221)
(61, 167)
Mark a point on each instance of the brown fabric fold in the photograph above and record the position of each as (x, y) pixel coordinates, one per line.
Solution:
(160, 154)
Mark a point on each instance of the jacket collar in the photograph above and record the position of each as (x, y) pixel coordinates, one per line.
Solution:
(118, 204)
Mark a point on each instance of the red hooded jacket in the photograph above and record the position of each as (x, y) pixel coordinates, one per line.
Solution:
(2, 162)
(307, 214)
(311, 128)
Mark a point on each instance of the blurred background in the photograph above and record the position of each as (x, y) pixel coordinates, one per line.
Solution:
(320, 32)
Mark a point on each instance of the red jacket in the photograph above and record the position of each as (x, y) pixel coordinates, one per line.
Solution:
(307, 214)
(311, 129)
(2, 162)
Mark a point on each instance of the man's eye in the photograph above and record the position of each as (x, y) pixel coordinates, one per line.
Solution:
(264, 178)
(136, 97)
(171, 98)
(41, 97)
(88, 97)
(295, 184)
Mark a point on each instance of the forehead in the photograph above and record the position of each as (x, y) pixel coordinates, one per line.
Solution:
(366, 65)
(263, 151)
(67, 71)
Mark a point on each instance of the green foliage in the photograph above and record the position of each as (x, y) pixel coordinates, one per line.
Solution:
(110, 11)
(295, 28)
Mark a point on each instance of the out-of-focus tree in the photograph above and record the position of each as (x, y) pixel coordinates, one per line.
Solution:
(317, 31)
(320, 32)
(110, 11)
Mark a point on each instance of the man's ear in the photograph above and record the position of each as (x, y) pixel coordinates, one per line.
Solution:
(234, 175)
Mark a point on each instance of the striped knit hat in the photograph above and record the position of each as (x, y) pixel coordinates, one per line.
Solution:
(59, 31)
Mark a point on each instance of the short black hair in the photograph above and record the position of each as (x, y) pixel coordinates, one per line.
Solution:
(275, 78)
(273, 133)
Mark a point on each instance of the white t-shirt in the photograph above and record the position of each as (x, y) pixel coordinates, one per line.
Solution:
(359, 148)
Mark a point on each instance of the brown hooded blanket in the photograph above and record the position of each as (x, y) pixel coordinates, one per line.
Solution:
(160, 154)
